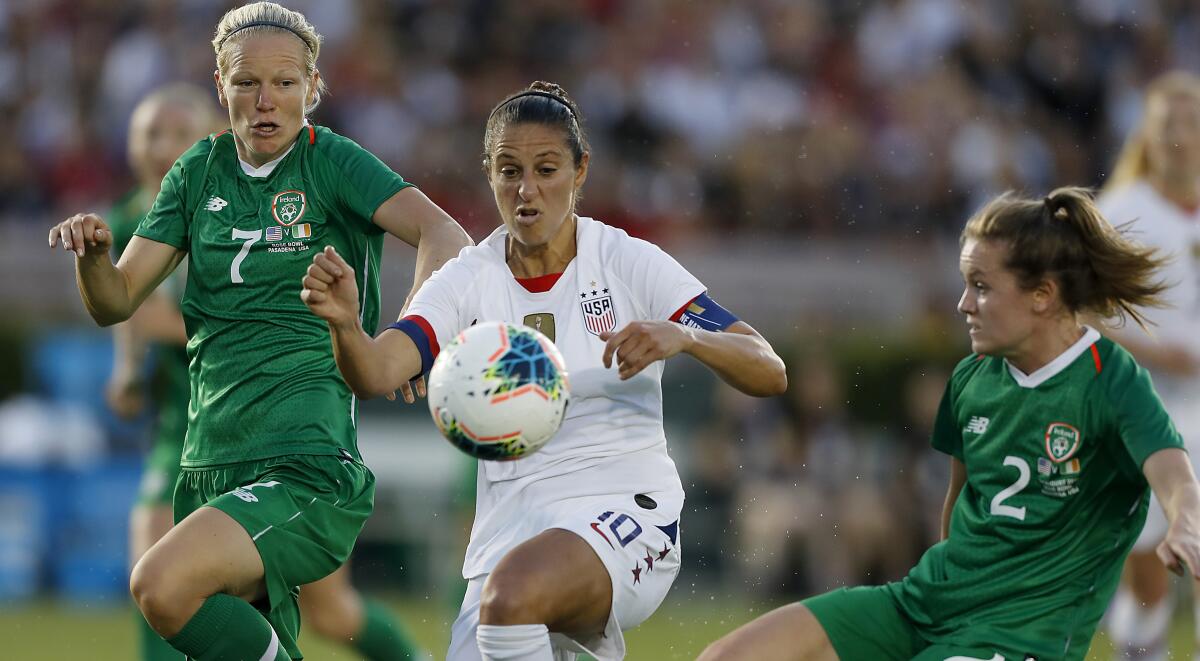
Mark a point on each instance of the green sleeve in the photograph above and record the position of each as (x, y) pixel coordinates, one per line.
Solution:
(1136, 411)
(947, 433)
(169, 219)
(362, 182)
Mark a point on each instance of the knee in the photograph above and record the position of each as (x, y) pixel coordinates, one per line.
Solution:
(505, 601)
(164, 602)
(331, 618)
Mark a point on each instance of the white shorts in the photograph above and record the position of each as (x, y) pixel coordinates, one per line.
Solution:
(639, 546)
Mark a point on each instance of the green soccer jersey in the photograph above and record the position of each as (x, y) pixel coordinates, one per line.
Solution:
(170, 383)
(263, 379)
(1053, 501)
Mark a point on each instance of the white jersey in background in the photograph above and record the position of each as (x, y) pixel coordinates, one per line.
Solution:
(1155, 221)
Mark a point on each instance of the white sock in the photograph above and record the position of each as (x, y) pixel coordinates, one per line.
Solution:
(1140, 632)
(527, 642)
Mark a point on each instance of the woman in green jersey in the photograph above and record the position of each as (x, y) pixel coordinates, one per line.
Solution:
(1056, 438)
(162, 127)
(272, 491)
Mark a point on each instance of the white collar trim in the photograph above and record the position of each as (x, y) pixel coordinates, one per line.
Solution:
(1050, 369)
(267, 168)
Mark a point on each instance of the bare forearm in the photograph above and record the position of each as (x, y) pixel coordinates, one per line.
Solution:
(365, 362)
(745, 362)
(103, 288)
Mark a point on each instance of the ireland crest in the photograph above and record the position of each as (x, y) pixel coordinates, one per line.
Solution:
(288, 206)
(1062, 441)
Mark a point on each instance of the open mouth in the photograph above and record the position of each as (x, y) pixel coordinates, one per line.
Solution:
(264, 128)
(527, 215)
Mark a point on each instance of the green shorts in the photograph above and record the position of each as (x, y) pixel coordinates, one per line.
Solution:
(864, 623)
(304, 513)
(160, 473)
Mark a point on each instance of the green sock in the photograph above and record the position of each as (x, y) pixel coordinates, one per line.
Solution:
(228, 629)
(383, 638)
(151, 645)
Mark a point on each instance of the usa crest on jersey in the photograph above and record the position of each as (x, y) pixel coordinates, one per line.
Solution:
(598, 313)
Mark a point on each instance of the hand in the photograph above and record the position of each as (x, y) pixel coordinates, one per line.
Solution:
(417, 386)
(330, 290)
(83, 233)
(643, 342)
(1180, 550)
(125, 395)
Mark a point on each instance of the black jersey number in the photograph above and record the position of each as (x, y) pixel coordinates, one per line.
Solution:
(248, 238)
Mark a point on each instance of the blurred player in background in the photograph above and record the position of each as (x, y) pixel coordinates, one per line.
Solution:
(1055, 434)
(1155, 186)
(163, 126)
(272, 492)
(579, 541)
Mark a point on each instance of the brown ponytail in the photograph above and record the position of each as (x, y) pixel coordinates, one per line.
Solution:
(1064, 236)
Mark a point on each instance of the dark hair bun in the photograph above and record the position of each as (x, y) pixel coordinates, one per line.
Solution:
(555, 90)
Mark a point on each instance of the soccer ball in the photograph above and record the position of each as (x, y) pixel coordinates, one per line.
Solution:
(498, 391)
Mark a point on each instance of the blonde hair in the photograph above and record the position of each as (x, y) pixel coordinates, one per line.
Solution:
(1133, 162)
(261, 17)
(196, 100)
(1063, 236)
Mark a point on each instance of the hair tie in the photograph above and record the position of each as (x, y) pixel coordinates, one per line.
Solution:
(547, 95)
(273, 24)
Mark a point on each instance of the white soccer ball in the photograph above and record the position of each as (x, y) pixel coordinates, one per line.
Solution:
(498, 391)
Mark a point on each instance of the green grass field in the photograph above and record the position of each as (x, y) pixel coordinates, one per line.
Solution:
(680, 630)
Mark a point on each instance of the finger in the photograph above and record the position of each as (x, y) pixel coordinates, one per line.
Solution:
(323, 262)
(333, 256)
(77, 236)
(391, 396)
(315, 283)
(311, 297)
(53, 238)
(611, 344)
(406, 391)
(89, 229)
(420, 386)
(1167, 557)
(316, 272)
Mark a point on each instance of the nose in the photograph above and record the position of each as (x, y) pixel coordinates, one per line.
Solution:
(528, 188)
(265, 100)
(966, 302)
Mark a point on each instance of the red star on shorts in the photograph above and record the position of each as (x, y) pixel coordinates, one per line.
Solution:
(662, 554)
(637, 574)
(649, 562)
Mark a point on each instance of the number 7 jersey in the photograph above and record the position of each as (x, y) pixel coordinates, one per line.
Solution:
(263, 379)
(1053, 501)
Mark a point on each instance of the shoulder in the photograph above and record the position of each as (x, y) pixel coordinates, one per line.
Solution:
(336, 148)
(197, 156)
(1115, 365)
(613, 244)
(968, 368)
(474, 260)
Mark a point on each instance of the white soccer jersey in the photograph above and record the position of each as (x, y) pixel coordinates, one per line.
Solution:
(612, 439)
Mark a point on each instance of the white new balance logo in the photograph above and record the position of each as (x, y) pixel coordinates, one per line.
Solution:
(976, 425)
(215, 204)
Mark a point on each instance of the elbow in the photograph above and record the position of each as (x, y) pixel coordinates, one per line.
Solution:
(105, 319)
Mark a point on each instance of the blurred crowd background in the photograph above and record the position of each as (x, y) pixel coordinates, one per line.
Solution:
(811, 160)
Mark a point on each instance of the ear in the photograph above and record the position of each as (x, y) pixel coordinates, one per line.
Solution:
(314, 84)
(220, 88)
(1046, 296)
(582, 170)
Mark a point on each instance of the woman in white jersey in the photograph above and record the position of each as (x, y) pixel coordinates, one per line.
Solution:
(577, 542)
(1155, 186)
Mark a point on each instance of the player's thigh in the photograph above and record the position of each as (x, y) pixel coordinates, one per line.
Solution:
(788, 633)
(332, 606)
(205, 553)
(553, 578)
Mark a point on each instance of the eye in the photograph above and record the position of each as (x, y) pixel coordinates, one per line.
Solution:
(287, 83)
(244, 83)
(547, 170)
(979, 286)
(508, 171)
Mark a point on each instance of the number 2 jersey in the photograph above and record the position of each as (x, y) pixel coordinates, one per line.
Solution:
(612, 439)
(264, 382)
(1053, 501)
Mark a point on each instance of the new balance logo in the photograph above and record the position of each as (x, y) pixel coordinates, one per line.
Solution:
(215, 204)
(976, 425)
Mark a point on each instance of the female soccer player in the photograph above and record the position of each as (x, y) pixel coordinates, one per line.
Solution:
(580, 541)
(1055, 436)
(163, 126)
(272, 492)
(1155, 185)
